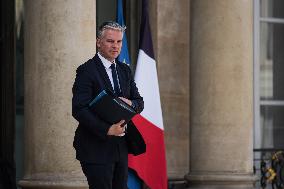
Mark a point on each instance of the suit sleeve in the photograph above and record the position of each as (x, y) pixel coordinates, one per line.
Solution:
(135, 97)
(82, 95)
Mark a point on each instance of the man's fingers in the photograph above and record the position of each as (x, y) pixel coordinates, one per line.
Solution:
(125, 100)
(121, 122)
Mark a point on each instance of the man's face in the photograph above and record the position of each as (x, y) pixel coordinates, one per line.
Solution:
(109, 45)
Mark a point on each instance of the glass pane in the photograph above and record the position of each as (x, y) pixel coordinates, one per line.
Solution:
(106, 11)
(271, 61)
(272, 8)
(271, 127)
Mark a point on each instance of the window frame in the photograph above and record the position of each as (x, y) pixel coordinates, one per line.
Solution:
(258, 102)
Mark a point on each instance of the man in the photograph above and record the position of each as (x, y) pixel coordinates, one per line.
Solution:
(101, 147)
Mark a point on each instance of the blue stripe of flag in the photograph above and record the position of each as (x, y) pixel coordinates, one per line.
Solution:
(133, 181)
(145, 42)
(124, 56)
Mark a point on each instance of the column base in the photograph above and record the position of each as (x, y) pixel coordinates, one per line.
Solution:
(221, 181)
(53, 182)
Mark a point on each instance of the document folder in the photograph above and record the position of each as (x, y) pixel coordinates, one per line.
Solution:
(111, 108)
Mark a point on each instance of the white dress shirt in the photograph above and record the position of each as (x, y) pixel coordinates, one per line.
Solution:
(107, 65)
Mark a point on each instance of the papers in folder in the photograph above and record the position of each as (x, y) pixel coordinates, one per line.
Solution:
(110, 108)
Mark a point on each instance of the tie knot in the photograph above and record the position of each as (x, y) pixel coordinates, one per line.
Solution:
(112, 66)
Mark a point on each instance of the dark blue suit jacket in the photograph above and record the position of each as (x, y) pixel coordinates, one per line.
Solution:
(91, 141)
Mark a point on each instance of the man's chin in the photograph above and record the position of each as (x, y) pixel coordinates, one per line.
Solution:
(114, 57)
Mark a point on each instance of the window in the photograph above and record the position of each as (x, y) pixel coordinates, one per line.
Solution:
(269, 74)
(268, 79)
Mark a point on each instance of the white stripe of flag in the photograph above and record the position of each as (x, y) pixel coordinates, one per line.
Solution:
(147, 82)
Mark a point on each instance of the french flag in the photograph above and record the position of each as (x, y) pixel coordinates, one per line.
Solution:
(150, 166)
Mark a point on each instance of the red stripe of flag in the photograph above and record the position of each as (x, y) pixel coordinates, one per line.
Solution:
(149, 167)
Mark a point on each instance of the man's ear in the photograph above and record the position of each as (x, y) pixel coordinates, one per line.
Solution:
(98, 42)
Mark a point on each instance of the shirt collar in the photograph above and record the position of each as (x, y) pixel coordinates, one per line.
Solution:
(105, 61)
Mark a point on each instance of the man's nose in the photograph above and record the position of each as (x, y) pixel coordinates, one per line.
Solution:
(115, 45)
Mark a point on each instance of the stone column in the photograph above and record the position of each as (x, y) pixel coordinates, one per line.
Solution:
(221, 126)
(59, 36)
(171, 37)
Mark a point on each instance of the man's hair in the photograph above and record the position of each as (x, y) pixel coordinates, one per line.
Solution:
(109, 25)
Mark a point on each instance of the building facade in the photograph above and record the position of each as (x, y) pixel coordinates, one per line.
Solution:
(219, 66)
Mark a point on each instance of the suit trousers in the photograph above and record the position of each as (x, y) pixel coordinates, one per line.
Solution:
(106, 176)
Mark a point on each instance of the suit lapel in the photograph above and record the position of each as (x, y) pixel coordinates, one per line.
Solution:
(102, 72)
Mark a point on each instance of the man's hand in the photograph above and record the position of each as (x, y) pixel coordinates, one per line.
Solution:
(116, 129)
(129, 102)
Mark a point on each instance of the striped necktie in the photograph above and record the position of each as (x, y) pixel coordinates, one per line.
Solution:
(115, 79)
